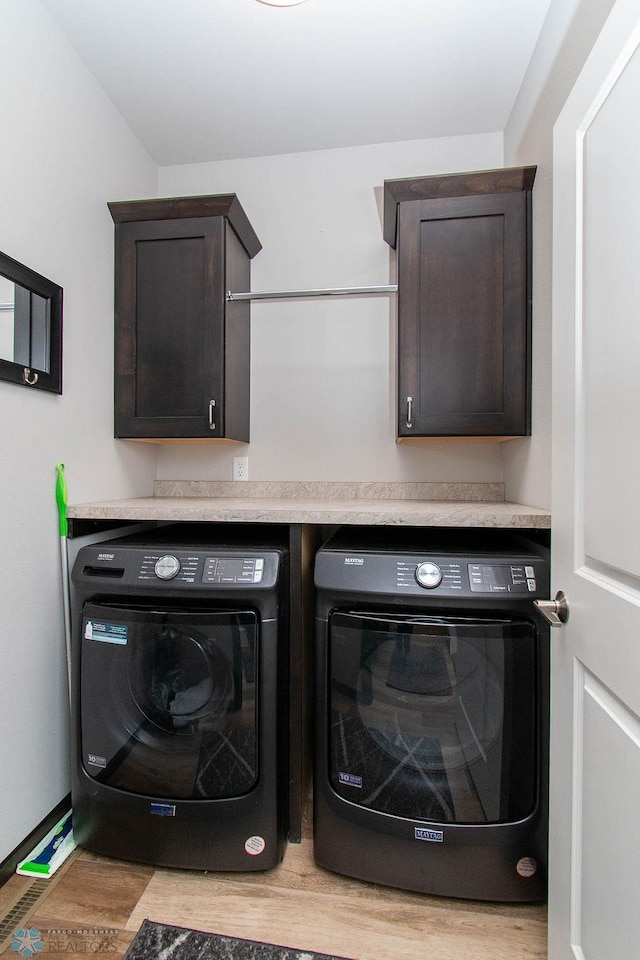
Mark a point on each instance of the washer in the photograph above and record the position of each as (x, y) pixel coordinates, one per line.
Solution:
(432, 703)
(179, 699)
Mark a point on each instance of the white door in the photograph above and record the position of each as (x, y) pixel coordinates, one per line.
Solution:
(594, 896)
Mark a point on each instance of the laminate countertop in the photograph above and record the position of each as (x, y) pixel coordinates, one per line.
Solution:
(441, 505)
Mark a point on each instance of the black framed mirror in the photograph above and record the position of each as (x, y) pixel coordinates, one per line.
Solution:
(30, 327)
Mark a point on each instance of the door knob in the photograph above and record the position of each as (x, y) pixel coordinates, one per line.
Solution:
(555, 611)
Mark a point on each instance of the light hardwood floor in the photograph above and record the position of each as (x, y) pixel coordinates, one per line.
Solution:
(297, 904)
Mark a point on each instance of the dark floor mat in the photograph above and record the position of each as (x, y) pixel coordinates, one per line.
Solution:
(155, 940)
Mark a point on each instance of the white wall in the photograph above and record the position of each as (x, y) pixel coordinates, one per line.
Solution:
(567, 36)
(65, 153)
(323, 381)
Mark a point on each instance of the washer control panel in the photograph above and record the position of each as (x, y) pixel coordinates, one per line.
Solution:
(428, 575)
(167, 567)
(176, 567)
(205, 569)
(233, 570)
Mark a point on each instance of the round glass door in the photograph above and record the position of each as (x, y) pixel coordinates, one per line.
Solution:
(168, 701)
(178, 676)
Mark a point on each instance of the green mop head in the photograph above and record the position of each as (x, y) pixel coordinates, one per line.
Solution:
(51, 852)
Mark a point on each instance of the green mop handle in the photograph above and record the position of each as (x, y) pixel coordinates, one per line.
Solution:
(61, 498)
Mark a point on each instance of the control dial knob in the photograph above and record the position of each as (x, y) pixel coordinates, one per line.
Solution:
(428, 574)
(167, 567)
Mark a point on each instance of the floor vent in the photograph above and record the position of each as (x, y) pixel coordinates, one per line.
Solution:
(21, 911)
(28, 898)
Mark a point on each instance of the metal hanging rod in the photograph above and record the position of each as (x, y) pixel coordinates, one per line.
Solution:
(328, 292)
(6, 306)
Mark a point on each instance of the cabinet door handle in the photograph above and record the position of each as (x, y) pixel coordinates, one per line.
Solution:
(212, 414)
(409, 412)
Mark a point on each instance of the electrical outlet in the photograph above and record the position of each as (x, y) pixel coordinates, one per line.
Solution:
(241, 468)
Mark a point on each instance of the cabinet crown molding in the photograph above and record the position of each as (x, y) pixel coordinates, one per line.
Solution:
(444, 186)
(178, 208)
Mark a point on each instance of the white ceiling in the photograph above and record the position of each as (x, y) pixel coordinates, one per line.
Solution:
(221, 79)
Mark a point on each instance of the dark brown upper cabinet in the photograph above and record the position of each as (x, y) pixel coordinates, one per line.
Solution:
(182, 351)
(464, 303)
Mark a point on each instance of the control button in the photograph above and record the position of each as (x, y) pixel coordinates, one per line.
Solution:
(167, 568)
(428, 574)
(531, 584)
(529, 573)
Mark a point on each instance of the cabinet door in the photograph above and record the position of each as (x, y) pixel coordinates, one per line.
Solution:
(170, 328)
(464, 317)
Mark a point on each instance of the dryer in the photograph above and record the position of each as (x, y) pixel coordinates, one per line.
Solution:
(432, 705)
(179, 696)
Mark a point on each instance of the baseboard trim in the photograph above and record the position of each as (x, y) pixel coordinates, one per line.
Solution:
(8, 866)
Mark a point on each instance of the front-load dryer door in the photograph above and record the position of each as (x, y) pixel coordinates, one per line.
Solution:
(168, 703)
(433, 718)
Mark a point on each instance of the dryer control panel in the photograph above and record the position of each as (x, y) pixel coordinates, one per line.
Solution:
(503, 578)
(429, 574)
(434, 574)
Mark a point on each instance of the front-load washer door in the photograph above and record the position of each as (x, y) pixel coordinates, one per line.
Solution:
(168, 701)
(433, 718)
